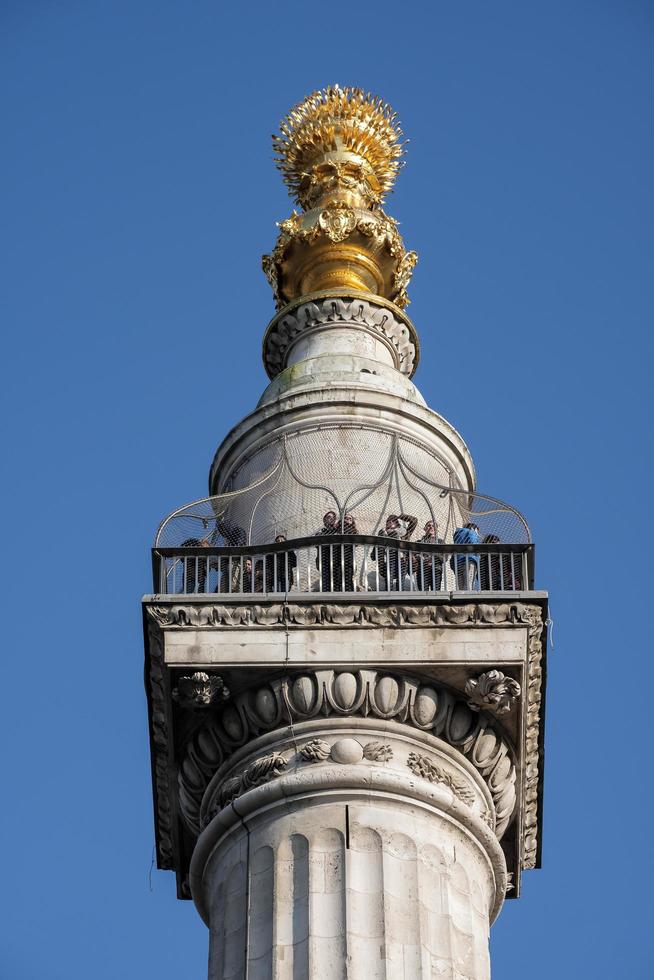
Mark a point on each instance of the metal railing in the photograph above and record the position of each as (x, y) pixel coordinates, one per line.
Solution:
(343, 563)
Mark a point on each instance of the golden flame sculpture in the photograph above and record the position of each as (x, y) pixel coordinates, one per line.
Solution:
(339, 150)
(339, 138)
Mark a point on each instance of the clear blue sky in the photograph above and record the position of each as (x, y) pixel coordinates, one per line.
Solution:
(139, 194)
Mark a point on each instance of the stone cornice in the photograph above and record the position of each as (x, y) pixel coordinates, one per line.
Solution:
(533, 616)
(160, 742)
(383, 320)
(289, 614)
(201, 615)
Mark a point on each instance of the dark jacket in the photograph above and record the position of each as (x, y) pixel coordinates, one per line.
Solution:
(395, 566)
(430, 568)
(280, 563)
(336, 562)
(499, 572)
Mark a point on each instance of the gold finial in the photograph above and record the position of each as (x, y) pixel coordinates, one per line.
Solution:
(340, 150)
(339, 138)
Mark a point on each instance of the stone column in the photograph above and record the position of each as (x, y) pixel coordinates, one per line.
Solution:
(342, 779)
(349, 848)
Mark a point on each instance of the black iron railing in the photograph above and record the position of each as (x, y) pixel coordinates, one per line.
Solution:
(343, 563)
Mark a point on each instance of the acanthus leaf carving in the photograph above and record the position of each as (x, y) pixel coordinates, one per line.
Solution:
(402, 277)
(304, 615)
(495, 615)
(162, 615)
(199, 690)
(457, 615)
(267, 615)
(532, 616)
(317, 750)
(381, 615)
(259, 772)
(421, 766)
(492, 691)
(377, 752)
(343, 615)
(417, 615)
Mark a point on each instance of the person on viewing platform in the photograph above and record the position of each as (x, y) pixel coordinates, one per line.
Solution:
(329, 573)
(346, 559)
(498, 572)
(247, 581)
(336, 562)
(280, 568)
(195, 567)
(430, 568)
(466, 565)
(227, 534)
(392, 567)
(233, 535)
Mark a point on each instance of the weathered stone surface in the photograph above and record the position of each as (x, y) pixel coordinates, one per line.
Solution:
(334, 326)
(372, 887)
(391, 645)
(492, 691)
(345, 397)
(350, 812)
(460, 643)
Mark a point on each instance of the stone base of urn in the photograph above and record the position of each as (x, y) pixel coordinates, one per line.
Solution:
(349, 849)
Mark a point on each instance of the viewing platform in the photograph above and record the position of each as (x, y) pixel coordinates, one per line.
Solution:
(343, 563)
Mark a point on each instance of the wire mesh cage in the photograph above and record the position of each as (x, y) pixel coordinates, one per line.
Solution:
(353, 478)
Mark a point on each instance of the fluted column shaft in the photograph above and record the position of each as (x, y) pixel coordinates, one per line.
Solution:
(349, 869)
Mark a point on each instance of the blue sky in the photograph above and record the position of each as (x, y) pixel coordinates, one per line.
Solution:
(139, 194)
